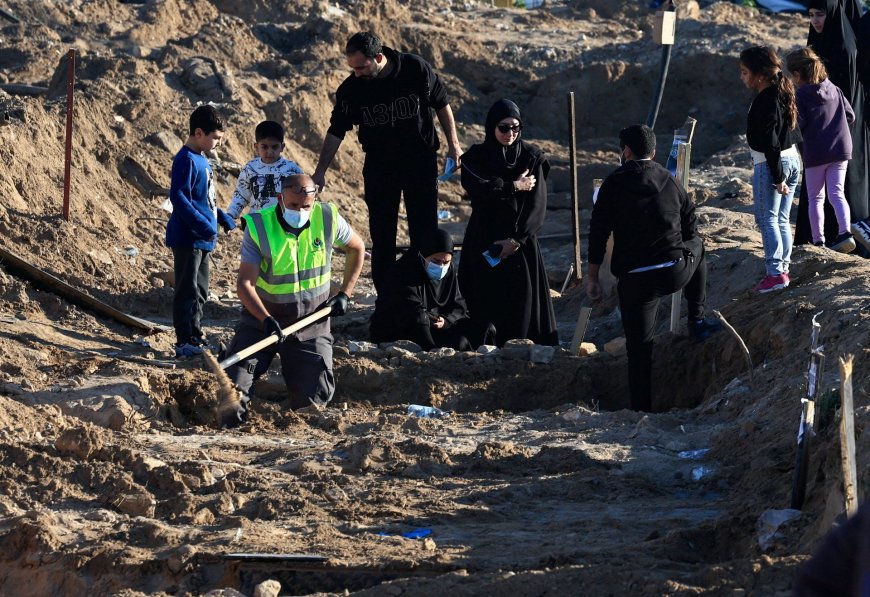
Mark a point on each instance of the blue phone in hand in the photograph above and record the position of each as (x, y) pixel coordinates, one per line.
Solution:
(492, 255)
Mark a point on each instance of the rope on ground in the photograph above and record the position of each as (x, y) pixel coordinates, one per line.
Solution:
(740, 341)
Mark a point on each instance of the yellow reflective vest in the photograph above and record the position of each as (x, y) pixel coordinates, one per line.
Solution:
(295, 271)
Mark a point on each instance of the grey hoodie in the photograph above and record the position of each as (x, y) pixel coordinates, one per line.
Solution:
(824, 116)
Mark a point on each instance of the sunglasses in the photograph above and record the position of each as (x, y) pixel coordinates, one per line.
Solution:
(303, 190)
(509, 128)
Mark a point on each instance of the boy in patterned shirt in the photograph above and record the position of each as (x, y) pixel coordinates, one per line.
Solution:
(259, 183)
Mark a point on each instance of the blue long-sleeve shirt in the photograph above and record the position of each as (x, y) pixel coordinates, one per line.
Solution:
(194, 219)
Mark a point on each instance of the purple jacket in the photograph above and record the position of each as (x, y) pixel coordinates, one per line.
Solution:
(824, 116)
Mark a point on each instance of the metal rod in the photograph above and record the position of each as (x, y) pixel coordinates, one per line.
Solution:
(575, 198)
(70, 84)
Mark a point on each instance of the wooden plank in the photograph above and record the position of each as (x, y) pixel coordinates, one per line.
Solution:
(22, 89)
(580, 329)
(847, 437)
(53, 284)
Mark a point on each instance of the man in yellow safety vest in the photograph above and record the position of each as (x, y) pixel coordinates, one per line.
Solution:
(285, 275)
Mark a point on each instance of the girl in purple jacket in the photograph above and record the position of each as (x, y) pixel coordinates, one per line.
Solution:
(824, 116)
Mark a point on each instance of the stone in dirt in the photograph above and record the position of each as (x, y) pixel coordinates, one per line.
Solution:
(267, 588)
(136, 503)
(79, 442)
(616, 346)
(517, 350)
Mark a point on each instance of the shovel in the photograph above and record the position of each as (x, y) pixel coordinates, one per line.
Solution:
(229, 402)
(290, 329)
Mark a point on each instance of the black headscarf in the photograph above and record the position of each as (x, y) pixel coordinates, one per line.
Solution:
(853, 13)
(505, 162)
(835, 45)
(436, 241)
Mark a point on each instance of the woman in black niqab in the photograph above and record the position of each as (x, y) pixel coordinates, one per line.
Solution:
(505, 178)
(836, 46)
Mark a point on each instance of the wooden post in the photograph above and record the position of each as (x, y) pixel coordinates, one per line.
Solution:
(70, 84)
(575, 213)
(847, 437)
(684, 153)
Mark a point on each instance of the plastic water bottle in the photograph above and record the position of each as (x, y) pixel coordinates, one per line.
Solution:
(426, 412)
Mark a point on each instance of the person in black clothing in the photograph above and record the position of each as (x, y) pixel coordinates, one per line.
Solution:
(832, 37)
(656, 251)
(505, 178)
(391, 97)
(841, 563)
(423, 302)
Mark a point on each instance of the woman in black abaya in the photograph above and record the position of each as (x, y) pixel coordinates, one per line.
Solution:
(835, 45)
(506, 181)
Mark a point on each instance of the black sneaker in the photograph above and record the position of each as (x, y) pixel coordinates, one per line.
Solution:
(703, 329)
(845, 243)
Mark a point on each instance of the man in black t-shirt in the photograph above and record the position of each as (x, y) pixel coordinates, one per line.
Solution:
(391, 97)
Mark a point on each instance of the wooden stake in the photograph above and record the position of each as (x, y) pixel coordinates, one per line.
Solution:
(580, 329)
(675, 310)
(847, 437)
(683, 155)
(70, 84)
(575, 213)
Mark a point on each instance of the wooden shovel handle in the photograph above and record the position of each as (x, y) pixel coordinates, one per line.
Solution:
(271, 339)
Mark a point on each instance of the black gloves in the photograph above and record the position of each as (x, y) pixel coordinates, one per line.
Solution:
(273, 328)
(338, 303)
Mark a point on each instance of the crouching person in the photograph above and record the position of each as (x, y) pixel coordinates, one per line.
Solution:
(284, 276)
(423, 303)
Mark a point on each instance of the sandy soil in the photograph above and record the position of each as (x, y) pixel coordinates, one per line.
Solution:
(112, 480)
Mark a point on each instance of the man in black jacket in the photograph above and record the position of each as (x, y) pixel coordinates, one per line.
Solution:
(422, 301)
(390, 96)
(656, 251)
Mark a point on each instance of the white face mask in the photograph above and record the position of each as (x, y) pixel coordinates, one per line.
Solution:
(296, 219)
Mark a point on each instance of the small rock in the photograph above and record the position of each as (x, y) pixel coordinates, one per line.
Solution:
(224, 593)
(397, 351)
(140, 503)
(615, 346)
(203, 517)
(79, 442)
(541, 354)
(360, 346)
(429, 544)
(267, 588)
(586, 349)
(486, 348)
(178, 560)
(405, 344)
(444, 351)
(517, 350)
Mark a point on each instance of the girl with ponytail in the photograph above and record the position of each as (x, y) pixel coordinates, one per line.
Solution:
(772, 134)
(824, 116)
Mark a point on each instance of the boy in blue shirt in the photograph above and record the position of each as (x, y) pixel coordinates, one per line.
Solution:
(192, 230)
